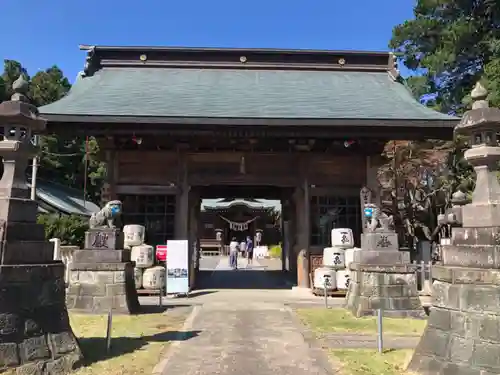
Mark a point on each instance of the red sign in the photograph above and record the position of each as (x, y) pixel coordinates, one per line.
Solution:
(161, 253)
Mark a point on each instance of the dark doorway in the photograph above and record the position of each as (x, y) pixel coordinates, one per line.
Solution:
(238, 212)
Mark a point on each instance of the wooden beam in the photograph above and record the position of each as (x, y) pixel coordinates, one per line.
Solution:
(147, 189)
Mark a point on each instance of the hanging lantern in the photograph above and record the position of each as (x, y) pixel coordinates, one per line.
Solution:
(349, 143)
(136, 140)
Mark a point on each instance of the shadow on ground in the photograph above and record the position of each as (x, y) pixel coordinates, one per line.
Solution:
(155, 309)
(94, 348)
(198, 293)
(243, 279)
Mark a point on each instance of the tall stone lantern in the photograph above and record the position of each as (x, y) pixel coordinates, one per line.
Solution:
(35, 334)
(463, 331)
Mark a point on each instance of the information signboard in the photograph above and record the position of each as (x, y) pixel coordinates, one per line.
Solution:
(177, 267)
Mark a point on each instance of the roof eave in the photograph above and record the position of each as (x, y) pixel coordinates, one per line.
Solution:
(89, 47)
(111, 119)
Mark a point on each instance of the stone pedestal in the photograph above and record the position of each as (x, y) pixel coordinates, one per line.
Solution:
(35, 334)
(383, 278)
(463, 331)
(102, 275)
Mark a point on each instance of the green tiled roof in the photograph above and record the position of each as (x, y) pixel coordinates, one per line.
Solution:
(240, 93)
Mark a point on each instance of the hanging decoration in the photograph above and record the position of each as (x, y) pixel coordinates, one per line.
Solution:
(239, 227)
(349, 143)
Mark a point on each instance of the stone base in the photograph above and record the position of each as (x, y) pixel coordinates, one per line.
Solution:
(463, 332)
(380, 240)
(35, 333)
(24, 243)
(382, 257)
(100, 287)
(392, 288)
(104, 239)
(481, 215)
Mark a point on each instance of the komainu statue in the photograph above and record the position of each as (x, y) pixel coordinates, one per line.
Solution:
(108, 217)
(379, 221)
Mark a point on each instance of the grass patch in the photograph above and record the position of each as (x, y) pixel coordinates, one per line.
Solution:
(371, 362)
(138, 342)
(324, 321)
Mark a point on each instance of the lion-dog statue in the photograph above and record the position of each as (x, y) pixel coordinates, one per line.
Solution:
(108, 217)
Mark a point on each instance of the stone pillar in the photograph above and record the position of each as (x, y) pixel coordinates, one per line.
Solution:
(462, 335)
(35, 333)
(381, 275)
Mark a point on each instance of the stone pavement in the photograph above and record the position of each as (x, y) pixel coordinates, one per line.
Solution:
(237, 329)
(243, 330)
(251, 338)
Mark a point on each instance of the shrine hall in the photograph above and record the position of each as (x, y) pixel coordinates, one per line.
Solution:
(302, 127)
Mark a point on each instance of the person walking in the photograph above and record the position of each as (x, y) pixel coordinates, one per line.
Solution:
(249, 247)
(233, 253)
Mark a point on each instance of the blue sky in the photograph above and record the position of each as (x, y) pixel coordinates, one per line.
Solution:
(44, 33)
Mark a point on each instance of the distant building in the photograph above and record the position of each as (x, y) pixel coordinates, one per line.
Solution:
(240, 218)
(60, 199)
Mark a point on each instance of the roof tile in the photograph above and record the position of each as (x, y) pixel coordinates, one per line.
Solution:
(241, 93)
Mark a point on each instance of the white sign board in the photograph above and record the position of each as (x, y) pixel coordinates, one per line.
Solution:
(177, 267)
(260, 252)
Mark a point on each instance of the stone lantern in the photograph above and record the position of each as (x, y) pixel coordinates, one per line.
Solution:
(35, 334)
(463, 331)
(481, 125)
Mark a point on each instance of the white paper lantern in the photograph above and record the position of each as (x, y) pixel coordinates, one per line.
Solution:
(142, 255)
(322, 273)
(258, 237)
(343, 279)
(138, 277)
(342, 237)
(333, 257)
(134, 235)
(154, 278)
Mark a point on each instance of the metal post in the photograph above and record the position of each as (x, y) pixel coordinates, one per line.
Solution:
(108, 331)
(325, 286)
(380, 342)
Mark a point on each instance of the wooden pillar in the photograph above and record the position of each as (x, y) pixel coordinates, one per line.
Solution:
(302, 213)
(182, 201)
(194, 210)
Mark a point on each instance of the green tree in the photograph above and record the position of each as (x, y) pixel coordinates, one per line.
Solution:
(453, 43)
(62, 158)
(11, 71)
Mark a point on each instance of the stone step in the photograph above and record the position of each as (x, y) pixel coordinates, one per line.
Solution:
(100, 256)
(27, 252)
(24, 231)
